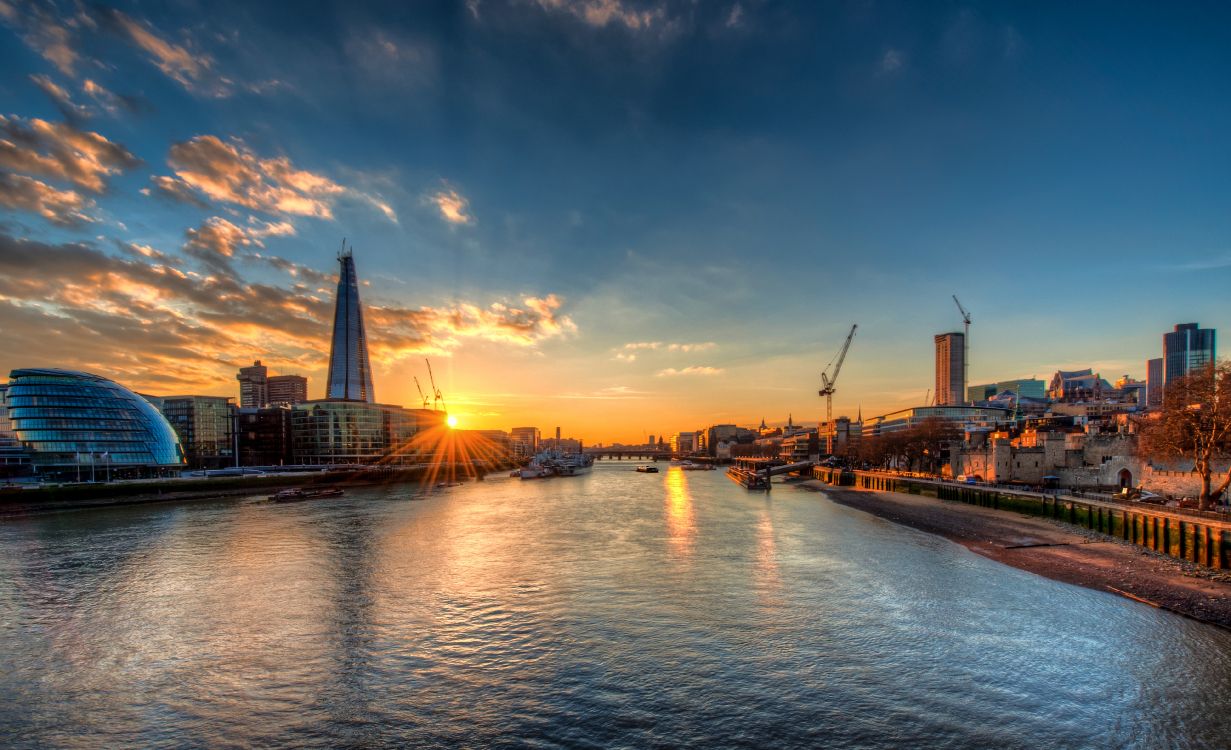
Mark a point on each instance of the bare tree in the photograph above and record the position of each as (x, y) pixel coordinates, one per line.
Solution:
(1194, 424)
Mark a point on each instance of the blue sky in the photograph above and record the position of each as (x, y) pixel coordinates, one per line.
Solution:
(533, 186)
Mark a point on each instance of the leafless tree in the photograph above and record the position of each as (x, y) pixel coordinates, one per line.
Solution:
(1194, 424)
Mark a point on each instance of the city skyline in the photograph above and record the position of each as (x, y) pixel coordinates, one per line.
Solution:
(603, 237)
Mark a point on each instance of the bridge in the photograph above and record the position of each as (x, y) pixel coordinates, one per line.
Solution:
(642, 454)
(755, 473)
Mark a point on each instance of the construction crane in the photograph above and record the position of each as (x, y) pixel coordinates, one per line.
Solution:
(830, 382)
(437, 397)
(422, 396)
(965, 346)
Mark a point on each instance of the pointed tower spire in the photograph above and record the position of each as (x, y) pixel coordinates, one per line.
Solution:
(859, 419)
(350, 374)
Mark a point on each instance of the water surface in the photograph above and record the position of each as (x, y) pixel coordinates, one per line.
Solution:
(611, 610)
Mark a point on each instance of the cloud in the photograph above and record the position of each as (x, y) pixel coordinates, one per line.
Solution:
(229, 172)
(452, 205)
(62, 99)
(169, 187)
(44, 30)
(892, 61)
(69, 305)
(600, 13)
(61, 151)
(63, 207)
(193, 69)
(736, 17)
(701, 346)
(215, 242)
(110, 102)
(671, 372)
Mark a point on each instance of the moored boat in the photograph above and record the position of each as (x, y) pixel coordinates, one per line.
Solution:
(647, 469)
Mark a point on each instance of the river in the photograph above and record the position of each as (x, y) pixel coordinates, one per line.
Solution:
(613, 609)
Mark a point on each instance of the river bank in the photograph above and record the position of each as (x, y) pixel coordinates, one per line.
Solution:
(1054, 550)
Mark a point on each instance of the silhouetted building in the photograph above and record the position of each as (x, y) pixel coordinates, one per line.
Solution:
(950, 368)
(1185, 349)
(350, 373)
(525, 440)
(337, 431)
(263, 436)
(287, 390)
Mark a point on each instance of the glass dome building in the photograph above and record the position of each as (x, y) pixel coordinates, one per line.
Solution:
(66, 418)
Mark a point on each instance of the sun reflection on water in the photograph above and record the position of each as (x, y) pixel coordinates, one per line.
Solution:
(681, 525)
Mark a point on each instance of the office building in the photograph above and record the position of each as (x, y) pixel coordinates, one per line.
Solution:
(1154, 382)
(287, 390)
(1024, 387)
(950, 368)
(336, 431)
(263, 436)
(1186, 349)
(205, 425)
(525, 440)
(65, 420)
(962, 417)
(253, 386)
(350, 373)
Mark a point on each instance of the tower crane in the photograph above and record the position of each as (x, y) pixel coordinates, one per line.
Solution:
(965, 346)
(830, 382)
(437, 397)
(422, 396)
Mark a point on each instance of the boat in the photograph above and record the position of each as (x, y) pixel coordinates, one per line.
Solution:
(296, 494)
(690, 466)
(647, 469)
(573, 464)
(543, 465)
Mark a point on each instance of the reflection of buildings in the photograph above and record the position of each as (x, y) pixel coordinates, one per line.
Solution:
(60, 420)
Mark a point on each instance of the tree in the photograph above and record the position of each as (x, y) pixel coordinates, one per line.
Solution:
(1194, 424)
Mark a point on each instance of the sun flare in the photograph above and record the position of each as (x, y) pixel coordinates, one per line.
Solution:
(452, 420)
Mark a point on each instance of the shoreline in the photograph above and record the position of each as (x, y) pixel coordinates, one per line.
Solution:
(1054, 550)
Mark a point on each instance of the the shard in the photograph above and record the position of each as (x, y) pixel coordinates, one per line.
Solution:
(350, 373)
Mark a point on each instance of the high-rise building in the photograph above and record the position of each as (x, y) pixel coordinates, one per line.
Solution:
(253, 386)
(350, 373)
(525, 440)
(1154, 381)
(287, 390)
(950, 369)
(1185, 349)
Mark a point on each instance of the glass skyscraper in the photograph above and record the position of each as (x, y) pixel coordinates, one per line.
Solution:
(1185, 349)
(350, 374)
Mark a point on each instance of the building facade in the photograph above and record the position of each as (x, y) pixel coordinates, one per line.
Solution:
(967, 417)
(950, 368)
(205, 425)
(1154, 382)
(66, 419)
(1186, 349)
(350, 373)
(263, 436)
(253, 386)
(1024, 387)
(525, 440)
(337, 431)
(287, 390)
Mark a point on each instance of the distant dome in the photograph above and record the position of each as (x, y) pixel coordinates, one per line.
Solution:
(60, 414)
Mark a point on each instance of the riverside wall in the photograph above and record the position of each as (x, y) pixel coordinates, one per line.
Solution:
(1196, 538)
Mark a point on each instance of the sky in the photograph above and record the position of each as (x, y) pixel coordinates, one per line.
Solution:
(621, 217)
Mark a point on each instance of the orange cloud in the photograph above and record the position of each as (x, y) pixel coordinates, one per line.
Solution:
(61, 151)
(63, 207)
(452, 205)
(671, 372)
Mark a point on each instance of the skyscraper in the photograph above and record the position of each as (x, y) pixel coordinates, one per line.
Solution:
(253, 386)
(1185, 349)
(350, 374)
(950, 368)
